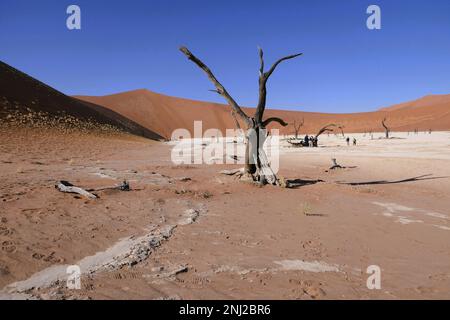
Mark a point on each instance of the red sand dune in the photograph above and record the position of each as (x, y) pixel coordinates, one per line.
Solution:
(163, 114)
(20, 93)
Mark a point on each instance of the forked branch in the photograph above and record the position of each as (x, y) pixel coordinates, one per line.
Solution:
(263, 77)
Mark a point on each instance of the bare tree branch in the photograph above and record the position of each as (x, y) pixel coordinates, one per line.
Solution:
(263, 77)
(275, 65)
(236, 122)
(274, 119)
(325, 129)
(220, 88)
(233, 114)
(261, 60)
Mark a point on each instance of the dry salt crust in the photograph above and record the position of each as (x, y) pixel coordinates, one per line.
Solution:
(399, 213)
(401, 145)
(283, 265)
(313, 266)
(127, 251)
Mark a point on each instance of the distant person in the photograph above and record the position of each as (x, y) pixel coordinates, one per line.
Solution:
(354, 141)
(348, 141)
(311, 141)
(306, 141)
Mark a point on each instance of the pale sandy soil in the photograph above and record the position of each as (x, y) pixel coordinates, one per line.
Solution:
(220, 238)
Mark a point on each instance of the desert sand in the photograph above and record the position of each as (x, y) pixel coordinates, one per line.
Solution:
(187, 231)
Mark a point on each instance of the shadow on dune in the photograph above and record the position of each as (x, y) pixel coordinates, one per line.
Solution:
(419, 178)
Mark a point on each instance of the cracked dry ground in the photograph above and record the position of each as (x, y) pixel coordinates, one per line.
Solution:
(313, 242)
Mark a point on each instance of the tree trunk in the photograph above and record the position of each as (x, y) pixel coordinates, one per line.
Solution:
(250, 167)
(256, 162)
(264, 171)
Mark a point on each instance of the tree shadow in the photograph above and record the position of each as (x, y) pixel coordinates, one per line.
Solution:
(414, 179)
(297, 183)
(337, 167)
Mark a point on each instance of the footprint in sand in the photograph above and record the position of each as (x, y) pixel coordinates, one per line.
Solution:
(198, 281)
(310, 288)
(126, 275)
(4, 270)
(8, 246)
(37, 256)
(313, 248)
(5, 231)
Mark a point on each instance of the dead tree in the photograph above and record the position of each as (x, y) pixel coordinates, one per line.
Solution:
(297, 127)
(327, 128)
(342, 130)
(256, 163)
(386, 129)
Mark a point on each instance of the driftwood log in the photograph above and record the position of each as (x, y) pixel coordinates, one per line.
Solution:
(65, 186)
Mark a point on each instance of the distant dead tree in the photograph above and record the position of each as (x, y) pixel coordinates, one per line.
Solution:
(297, 126)
(256, 163)
(313, 141)
(386, 129)
(341, 128)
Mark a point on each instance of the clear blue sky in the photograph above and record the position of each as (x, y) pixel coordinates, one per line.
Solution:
(126, 45)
